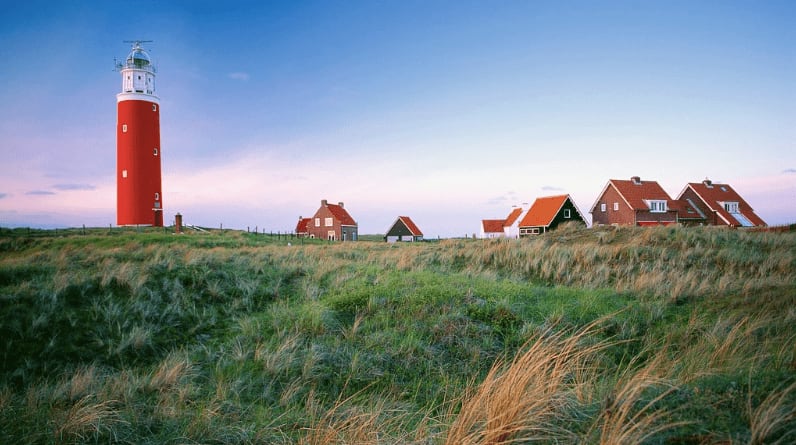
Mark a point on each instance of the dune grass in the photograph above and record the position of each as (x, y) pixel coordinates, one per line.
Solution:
(665, 335)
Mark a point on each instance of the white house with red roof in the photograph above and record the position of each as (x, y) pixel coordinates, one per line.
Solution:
(403, 229)
(332, 222)
(634, 202)
(718, 204)
(547, 213)
(492, 228)
(511, 226)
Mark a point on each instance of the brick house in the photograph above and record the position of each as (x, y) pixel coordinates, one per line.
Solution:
(718, 204)
(547, 213)
(634, 202)
(403, 229)
(332, 222)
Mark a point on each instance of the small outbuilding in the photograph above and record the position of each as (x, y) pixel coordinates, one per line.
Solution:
(403, 229)
(302, 227)
(548, 212)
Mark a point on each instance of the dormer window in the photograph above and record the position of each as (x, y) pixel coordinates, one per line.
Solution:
(657, 206)
(731, 207)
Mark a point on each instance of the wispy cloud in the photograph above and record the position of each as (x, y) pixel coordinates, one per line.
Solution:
(551, 188)
(40, 192)
(239, 75)
(74, 187)
(3, 195)
(502, 199)
(789, 171)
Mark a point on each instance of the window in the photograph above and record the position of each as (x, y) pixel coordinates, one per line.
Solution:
(155, 151)
(154, 107)
(329, 222)
(317, 222)
(124, 173)
(616, 207)
(567, 213)
(657, 206)
(602, 207)
(157, 196)
(157, 205)
(731, 207)
(124, 128)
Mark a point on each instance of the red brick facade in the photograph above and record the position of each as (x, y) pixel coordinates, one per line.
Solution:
(332, 222)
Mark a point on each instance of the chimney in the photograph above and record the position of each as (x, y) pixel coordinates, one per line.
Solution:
(636, 180)
(340, 204)
(323, 202)
(300, 218)
(708, 183)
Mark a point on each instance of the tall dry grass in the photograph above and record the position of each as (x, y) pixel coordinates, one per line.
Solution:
(532, 398)
(774, 420)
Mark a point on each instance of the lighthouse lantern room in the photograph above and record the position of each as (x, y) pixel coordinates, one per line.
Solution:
(139, 198)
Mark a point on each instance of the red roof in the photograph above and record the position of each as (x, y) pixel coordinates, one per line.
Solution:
(635, 192)
(410, 225)
(715, 195)
(492, 225)
(515, 213)
(341, 215)
(543, 211)
(301, 227)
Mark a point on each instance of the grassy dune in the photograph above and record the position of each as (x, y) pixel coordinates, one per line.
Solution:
(609, 336)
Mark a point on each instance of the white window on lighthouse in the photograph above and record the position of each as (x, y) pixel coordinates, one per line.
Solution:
(157, 196)
(124, 173)
(156, 151)
(124, 128)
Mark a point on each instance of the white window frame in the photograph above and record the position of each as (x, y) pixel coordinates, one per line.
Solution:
(567, 213)
(731, 207)
(124, 173)
(328, 222)
(602, 207)
(124, 128)
(616, 207)
(657, 205)
(156, 151)
(317, 222)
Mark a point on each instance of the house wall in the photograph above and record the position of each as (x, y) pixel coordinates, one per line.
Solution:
(573, 215)
(399, 229)
(669, 217)
(625, 214)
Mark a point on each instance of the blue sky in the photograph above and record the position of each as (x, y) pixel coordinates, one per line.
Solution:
(448, 112)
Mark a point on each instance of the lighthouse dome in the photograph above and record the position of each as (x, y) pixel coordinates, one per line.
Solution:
(138, 57)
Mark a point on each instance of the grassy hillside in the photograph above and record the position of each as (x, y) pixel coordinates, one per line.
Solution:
(666, 335)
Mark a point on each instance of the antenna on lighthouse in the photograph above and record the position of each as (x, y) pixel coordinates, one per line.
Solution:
(138, 58)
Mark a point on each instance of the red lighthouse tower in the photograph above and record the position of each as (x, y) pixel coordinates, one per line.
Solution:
(139, 198)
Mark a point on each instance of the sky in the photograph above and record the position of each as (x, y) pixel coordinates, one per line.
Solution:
(445, 111)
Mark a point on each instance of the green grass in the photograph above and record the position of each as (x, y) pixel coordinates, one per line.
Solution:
(671, 335)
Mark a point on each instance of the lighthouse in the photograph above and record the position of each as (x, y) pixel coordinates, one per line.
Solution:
(139, 197)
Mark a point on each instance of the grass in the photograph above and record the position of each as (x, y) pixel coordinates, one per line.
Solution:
(664, 335)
